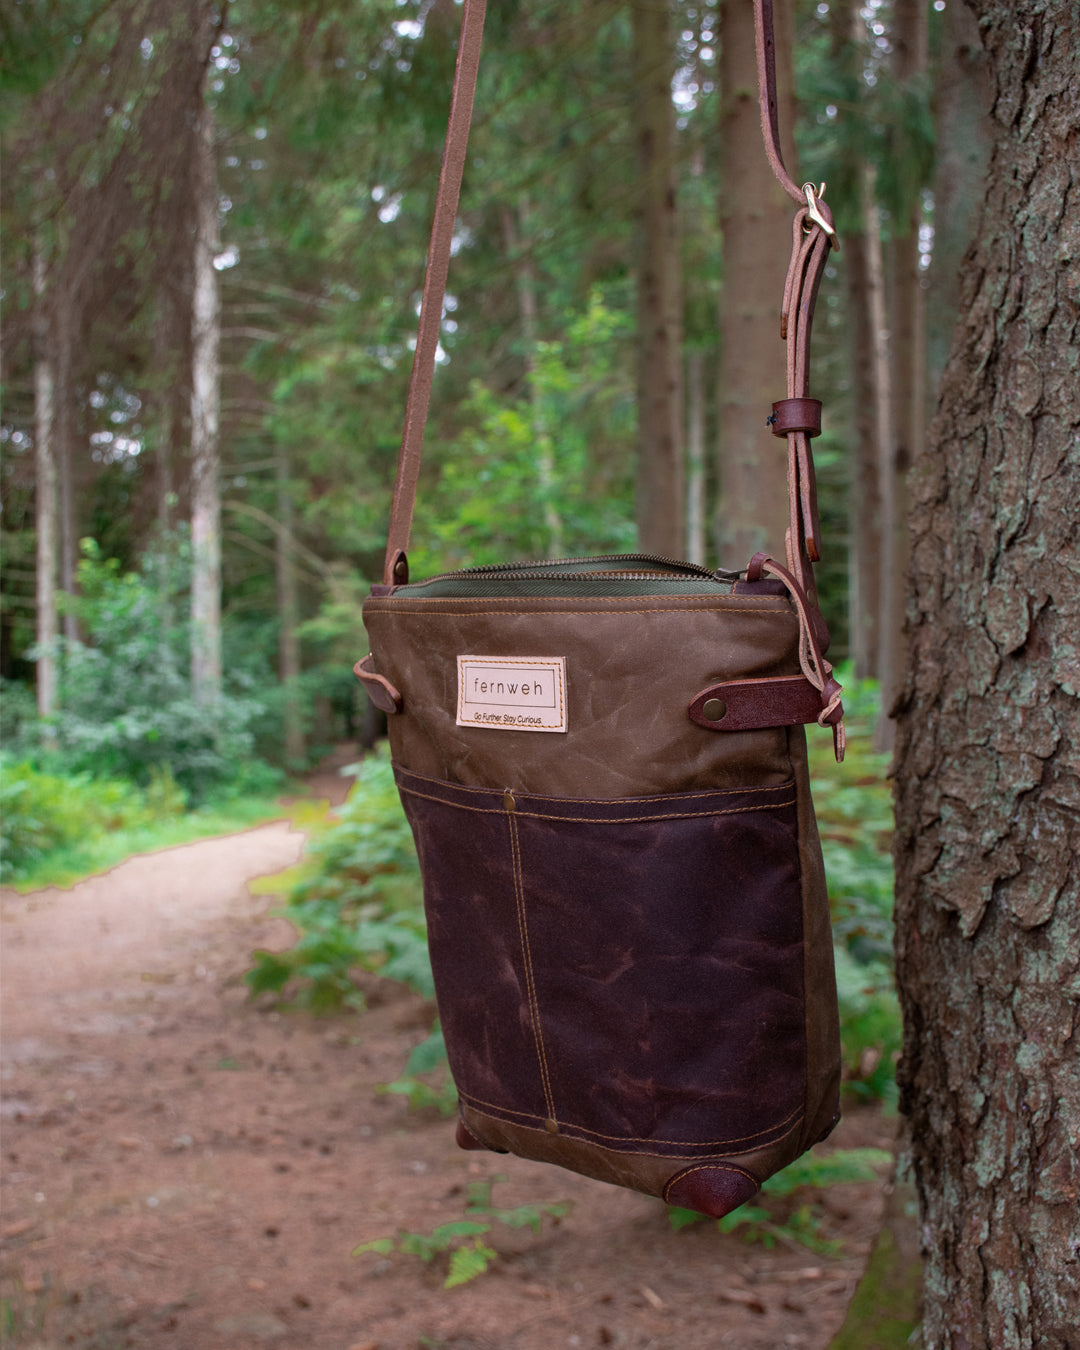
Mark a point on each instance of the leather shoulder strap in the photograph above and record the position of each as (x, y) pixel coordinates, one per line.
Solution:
(395, 568)
(797, 417)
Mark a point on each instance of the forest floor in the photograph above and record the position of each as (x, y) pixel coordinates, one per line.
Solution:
(185, 1169)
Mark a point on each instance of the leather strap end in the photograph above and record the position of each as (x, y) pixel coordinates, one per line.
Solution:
(750, 705)
(381, 692)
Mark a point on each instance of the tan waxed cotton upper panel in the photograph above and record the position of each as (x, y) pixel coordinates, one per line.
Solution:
(629, 685)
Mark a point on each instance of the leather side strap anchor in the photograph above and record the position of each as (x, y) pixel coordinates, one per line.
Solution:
(777, 701)
(381, 692)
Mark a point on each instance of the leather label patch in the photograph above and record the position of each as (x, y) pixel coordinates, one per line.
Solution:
(512, 693)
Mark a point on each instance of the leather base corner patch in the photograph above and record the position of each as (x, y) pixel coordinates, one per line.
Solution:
(512, 693)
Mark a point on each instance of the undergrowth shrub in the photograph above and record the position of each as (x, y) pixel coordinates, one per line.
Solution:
(125, 707)
(357, 904)
(853, 803)
(41, 812)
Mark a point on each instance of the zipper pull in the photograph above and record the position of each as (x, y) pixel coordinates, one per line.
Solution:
(508, 799)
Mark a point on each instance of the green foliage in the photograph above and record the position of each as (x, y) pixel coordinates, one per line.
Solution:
(356, 905)
(467, 1259)
(853, 803)
(425, 1081)
(494, 496)
(57, 828)
(801, 1223)
(126, 708)
(43, 812)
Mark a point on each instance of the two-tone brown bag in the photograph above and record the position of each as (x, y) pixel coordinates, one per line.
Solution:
(604, 765)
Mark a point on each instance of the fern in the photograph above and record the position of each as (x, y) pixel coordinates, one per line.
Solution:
(466, 1263)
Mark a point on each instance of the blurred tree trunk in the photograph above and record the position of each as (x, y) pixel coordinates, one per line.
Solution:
(964, 130)
(63, 452)
(864, 561)
(660, 493)
(988, 740)
(755, 218)
(205, 395)
(907, 357)
(288, 612)
(526, 292)
(861, 271)
(696, 545)
(890, 594)
(47, 627)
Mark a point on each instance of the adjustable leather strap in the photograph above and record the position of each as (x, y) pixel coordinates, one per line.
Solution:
(798, 417)
(396, 567)
(812, 234)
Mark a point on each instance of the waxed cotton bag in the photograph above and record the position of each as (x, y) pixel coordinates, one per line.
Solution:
(604, 766)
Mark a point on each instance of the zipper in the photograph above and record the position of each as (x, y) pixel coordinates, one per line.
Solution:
(542, 569)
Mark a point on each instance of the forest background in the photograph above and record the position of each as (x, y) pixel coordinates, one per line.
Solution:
(214, 226)
(214, 229)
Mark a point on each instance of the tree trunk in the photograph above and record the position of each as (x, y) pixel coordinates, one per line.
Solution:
(890, 596)
(46, 502)
(907, 357)
(864, 560)
(63, 453)
(962, 100)
(288, 613)
(660, 494)
(205, 395)
(696, 549)
(755, 217)
(545, 452)
(988, 748)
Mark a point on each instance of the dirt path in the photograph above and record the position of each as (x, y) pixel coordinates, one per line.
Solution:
(186, 1171)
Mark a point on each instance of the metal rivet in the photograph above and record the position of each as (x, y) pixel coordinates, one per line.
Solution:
(551, 1126)
(401, 569)
(714, 710)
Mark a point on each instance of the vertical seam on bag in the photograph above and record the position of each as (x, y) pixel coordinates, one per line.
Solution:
(530, 983)
(804, 906)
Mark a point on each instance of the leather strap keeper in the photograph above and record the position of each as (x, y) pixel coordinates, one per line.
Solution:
(748, 705)
(381, 692)
(796, 414)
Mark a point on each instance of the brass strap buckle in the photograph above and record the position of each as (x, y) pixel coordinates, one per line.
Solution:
(814, 212)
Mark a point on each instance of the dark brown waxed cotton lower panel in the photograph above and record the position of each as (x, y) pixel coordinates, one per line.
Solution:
(627, 973)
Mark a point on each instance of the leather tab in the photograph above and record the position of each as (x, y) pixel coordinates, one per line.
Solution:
(796, 414)
(749, 705)
(381, 692)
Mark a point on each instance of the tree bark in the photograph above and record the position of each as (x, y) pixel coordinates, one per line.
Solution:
(205, 396)
(988, 747)
(660, 493)
(755, 217)
(47, 628)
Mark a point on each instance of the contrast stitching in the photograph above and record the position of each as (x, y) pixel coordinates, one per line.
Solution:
(639, 1139)
(709, 1167)
(659, 797)
(530, 981)
(636, 1152)
(595, 820)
